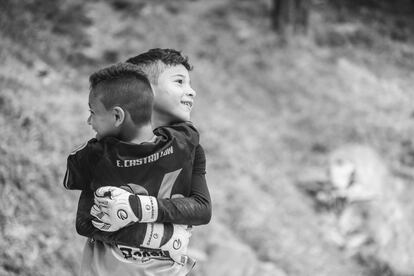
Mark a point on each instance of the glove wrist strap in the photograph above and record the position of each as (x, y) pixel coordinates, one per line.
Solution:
(145, 208)
(153, 235)
(149, 209)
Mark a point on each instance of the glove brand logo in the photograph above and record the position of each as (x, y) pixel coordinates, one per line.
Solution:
(147, 207)
(122, 214)
(177, 244)
(155, 236)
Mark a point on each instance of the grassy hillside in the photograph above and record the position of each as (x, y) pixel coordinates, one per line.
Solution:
(268, 114)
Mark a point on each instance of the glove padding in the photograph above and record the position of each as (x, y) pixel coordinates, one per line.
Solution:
(176, 245)
(116, 208)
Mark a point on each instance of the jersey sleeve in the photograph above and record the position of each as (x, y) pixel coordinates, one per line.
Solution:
(84, 225)
(78, 176)
(195, 209)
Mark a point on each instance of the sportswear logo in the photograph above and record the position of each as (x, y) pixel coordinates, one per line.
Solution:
(122, 214)
(140, 255)
(155, 236)
(147, 207)
(177, 244)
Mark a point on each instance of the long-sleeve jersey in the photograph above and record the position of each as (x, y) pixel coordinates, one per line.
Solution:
(164, 169)
(194, 209)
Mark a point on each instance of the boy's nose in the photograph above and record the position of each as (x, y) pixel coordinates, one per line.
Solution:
(191, 92)
(88, 121)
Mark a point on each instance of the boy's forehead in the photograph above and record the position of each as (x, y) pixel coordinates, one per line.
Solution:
(178, 69)
(93, 98)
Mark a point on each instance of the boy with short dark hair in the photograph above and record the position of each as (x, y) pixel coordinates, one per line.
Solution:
(126, 153)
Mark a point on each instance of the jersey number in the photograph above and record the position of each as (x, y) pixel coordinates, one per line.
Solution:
(167, 184)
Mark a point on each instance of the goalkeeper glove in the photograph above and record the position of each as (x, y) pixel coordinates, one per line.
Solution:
(116, 208)
(172, 238)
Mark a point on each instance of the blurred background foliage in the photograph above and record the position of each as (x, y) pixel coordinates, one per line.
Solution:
(280, 86)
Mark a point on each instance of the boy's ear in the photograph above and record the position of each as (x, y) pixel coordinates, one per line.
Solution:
(119, 114)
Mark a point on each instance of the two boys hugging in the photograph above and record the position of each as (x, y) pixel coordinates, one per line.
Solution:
(143, 177)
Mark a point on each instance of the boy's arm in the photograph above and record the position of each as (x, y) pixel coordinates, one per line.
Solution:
(192, 210)
(171, 238)
(134, 235)
(196, 208)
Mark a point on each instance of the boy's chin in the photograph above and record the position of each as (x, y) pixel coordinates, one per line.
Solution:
(184, 116)
(171, 118)
(180, 118)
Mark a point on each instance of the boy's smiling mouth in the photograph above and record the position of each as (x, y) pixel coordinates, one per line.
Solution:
(188, 104)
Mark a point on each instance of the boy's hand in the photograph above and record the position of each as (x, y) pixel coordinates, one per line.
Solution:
(176, 244)
(116, 208)
(112, 209)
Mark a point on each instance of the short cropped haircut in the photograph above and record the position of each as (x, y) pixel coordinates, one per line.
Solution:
(126, 86)
(155, 61)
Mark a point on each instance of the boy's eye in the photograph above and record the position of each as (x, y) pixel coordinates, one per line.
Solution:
(180, 81)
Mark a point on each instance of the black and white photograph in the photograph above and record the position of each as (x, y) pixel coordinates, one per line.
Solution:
(206, 138)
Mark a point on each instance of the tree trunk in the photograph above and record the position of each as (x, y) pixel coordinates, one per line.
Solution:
(290, 16)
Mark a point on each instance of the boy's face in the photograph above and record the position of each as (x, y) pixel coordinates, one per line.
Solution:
(100, 119)
(174, 96)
